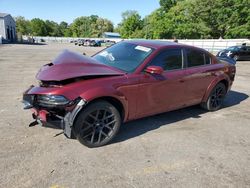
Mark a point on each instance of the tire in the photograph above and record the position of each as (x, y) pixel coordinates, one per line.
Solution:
(216, 97)
(97, 124)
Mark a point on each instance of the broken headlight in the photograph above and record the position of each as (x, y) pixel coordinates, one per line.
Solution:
(52, 100)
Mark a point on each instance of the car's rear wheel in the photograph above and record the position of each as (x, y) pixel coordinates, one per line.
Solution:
(97, 124)
(216, 97)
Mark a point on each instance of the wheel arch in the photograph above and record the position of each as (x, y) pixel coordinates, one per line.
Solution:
(118, 104)
(112, 100)
(223, 80)
(110, 94)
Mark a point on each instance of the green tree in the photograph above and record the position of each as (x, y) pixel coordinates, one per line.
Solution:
(225, 18)
(156, 26)
(184, 22)
(239, 22)
(131, 22)
(167, 4)
(53, 29)
(65, 29)
(199, 19)
(22, 25)
(38, 27)
(102, 25)
(90, 26)
(81, 27)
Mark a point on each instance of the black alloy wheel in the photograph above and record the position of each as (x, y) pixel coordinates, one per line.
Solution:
(97, 124)
(215, 98)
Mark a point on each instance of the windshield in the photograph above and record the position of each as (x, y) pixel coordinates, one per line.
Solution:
(124, 56)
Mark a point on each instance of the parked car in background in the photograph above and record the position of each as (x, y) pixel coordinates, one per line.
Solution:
(95, 43)
(109, 42)
(81, 42)
(77, 41)
(89, 97)
(88, 42)
(241, 52)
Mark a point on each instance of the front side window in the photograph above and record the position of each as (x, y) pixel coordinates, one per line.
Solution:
(170, 59)
(124, 56)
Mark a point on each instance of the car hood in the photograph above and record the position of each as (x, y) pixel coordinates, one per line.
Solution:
(222, 52)
(72, 65)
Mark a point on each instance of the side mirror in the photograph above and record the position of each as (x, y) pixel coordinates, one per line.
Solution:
(154, 70)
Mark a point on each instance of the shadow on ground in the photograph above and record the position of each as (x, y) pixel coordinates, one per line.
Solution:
(141, 126)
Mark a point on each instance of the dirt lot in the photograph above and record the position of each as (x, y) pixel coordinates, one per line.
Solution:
(184, 148)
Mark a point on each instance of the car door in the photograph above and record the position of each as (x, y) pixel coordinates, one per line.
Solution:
(200, 73)
(160, 93)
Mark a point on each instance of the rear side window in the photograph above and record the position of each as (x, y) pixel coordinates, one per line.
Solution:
(169, 59)
(197, 58)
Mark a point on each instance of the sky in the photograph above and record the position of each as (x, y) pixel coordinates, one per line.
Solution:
(68, 10)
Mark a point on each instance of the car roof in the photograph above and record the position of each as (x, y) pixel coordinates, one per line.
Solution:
(154, 43)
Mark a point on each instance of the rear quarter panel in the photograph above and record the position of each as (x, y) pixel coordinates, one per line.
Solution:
(224, 74)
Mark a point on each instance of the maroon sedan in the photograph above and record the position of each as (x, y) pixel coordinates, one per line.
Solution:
(89, 97)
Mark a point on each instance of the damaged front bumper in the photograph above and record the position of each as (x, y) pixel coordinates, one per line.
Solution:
(60, 116)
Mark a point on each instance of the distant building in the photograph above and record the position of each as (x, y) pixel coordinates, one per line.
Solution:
(111, 35)
(7, 27)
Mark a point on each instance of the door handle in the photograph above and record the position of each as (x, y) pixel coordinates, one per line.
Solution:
(181, 80)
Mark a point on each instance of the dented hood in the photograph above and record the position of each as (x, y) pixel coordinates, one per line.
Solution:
(72, 65)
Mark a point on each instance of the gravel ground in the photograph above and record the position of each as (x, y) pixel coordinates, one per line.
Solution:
(184, 148)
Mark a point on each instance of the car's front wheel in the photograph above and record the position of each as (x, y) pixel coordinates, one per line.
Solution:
(236, 57)
(216, 97)
(97, 124)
